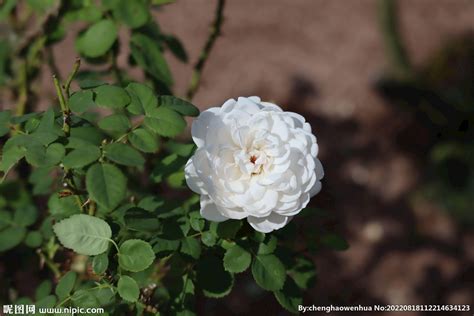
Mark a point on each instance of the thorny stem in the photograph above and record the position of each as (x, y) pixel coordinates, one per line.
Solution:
(75, 69)
(23, 90)
(63, 105)
(215, 32)
(92, 208)
(51, 265)
(51, 61)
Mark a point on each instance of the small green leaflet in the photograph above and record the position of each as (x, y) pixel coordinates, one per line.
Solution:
(128, 288)
(106, 185)
(135, 255)
(98, 39)
(85, 234)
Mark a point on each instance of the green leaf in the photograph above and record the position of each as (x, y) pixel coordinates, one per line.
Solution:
(141, 220)
(117, 123)
(85, 234)
(11, 237)
(227, 229)
(89, 83)
(135, 255)
(5, 219)
(81, 156)
(268, 245)
(183, 150)
(143, 100)
(176, 180)
(113, 97)
(39, 156)
(268, 272)
(41, 6)
(41, 180)
(33, 239)
(43, 290)
(100, 263)
(165, 122)
(106, 185)
(167, 166)
(162, 2)
(237, 259)
(149, 57)
(85, 298)
(44, 137)
(65, 285)
(191, 246)
(165, 246)
(128, 288)
(133, 13)
(182, 107)
(11, 156)
(88, 134)
(143, 140)
(46, 302)
(64, 206)
(25, 215)
(47, 121)
(4, 122)
(151, 203)
(98, 39)
(212, 278)
(334, 241)
(303, 272)
(176, 47)
(196, 221)
(81, 101)
(290, 297)
(123, 155)
(208, 238)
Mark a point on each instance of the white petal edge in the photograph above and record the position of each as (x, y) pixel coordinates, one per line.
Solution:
(209, 210)
(270, 223)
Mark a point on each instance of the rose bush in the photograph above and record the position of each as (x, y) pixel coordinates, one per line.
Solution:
(94, 207)
(253, 161)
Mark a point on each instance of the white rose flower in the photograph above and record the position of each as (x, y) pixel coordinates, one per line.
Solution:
(253, 161)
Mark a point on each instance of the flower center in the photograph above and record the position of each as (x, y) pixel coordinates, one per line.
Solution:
(253, 158)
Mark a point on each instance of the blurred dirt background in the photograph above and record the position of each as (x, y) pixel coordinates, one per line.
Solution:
(323, 58)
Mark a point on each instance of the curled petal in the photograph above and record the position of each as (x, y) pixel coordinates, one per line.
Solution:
(209, 210)
(267, 224)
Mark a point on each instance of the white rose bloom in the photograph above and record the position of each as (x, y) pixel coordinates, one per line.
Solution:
(253, 161)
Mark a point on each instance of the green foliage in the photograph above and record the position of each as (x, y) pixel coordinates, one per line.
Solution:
(135, 255)
(66, 285)
(100, 263)
(149, 56)
(237, 259)
(106, 184)
(113, 97)
(85, 234)
(128, 288)
(82, 156)
(81, 101)
(269, 272)
(97, 39)
(97, 174)
(212, 278)
(123, 155)
(165, 122)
